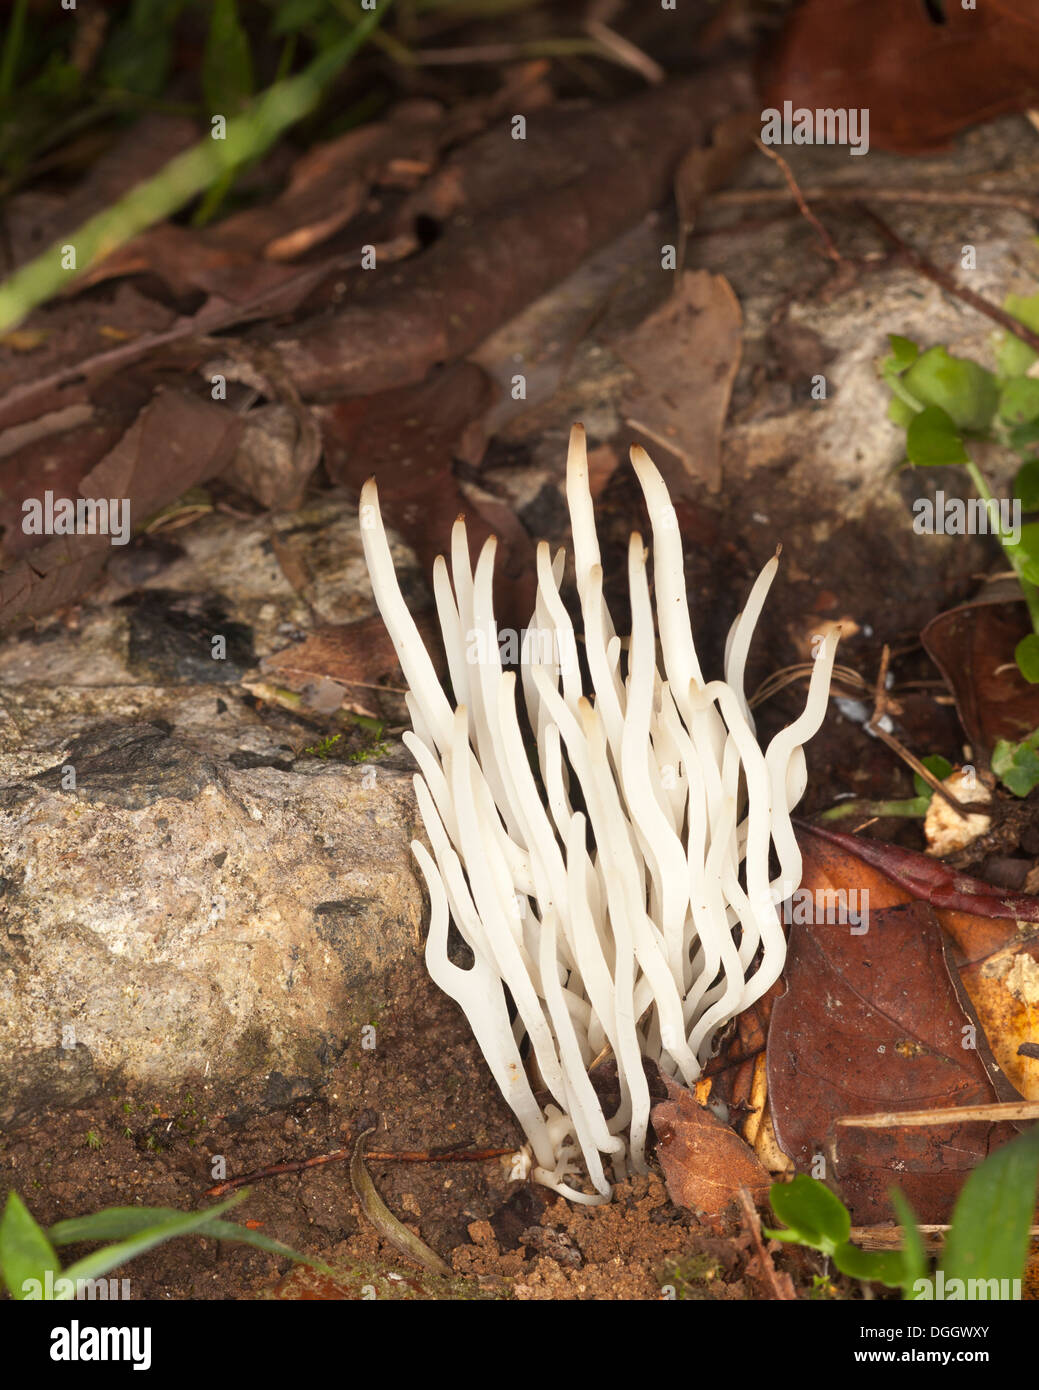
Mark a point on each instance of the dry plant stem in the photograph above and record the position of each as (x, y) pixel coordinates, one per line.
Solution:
(896, 1119)
(624, 51)
(299, 1165)
(920, 262)
(780, 1285)
(893, 1237)
(821, 193)
(806, 212)
(884, 705)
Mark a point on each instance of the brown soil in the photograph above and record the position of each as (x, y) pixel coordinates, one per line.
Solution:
(428, 1085)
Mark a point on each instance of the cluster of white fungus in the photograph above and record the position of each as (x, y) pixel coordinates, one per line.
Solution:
(620, 893)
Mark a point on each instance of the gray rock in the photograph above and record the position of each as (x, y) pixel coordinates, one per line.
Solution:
(168, 915)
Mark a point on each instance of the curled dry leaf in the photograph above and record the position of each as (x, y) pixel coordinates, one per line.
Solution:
(705, 1162)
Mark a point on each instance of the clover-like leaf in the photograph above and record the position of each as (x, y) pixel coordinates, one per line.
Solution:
(816, 1216)
(968, 393)
(1026, 654)
(1014, 356)
(1019, 400)
(933, 439)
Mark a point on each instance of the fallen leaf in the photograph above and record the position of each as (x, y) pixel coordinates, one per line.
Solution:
(356, 657)
(177, 440)
(685, 357)
(617, 163)
(871, 1021)
(973, 648)
(409, 438)
(931, 881)
(705, 1162)
(921, 80)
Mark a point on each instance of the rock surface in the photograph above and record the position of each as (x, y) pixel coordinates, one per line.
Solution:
(185, 889)
(170, 915)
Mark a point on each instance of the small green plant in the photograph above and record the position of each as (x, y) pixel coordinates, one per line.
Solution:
(1017, 764)
(945, 402)
(94, 1140)
(987, 1242)
(322, 749)
(30, 1267)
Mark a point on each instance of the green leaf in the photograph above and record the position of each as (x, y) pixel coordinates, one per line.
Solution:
(139, 55)
(966, 392)
(883, 1266)
(1024, 552)
(118, 1223)
(25, 1251)
(914, 1257)
(99, 1262)
(1026, 485)
(988, 1238)
(1026, 654)
(227, 65)
(1017, 764)
(1015, 357)
(293, 15)
(932, 439)
(1024, 437)
(816, 1216)
(899, 413)
(1019, 401)
(904, 353)
(941, 767)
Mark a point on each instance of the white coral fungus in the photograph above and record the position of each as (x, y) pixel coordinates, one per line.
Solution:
(620, 892)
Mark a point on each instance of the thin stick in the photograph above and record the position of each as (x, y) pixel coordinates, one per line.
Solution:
(891, 1237)
(806, 211)
(298, 1165)
(781, 1285)
(897, 1119)
(820, 193)
(625, 51)
(883, 704)
(920, 262)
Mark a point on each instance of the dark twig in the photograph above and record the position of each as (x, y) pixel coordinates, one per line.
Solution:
(297, 1165)
(925, 267)
(806, 211)
(780, 1284)
(820, 193)
(883, 707)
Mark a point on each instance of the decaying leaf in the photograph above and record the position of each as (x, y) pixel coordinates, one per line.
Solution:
(973, 647)
(685, 357)
(871, 1021)
(705, 1162)
(922, 71)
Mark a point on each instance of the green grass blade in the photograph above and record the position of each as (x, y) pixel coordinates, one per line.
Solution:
(25, 1251)
(182, 179)
(988, 1238)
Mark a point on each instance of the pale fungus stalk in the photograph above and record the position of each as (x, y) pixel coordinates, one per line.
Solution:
(620, 898)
